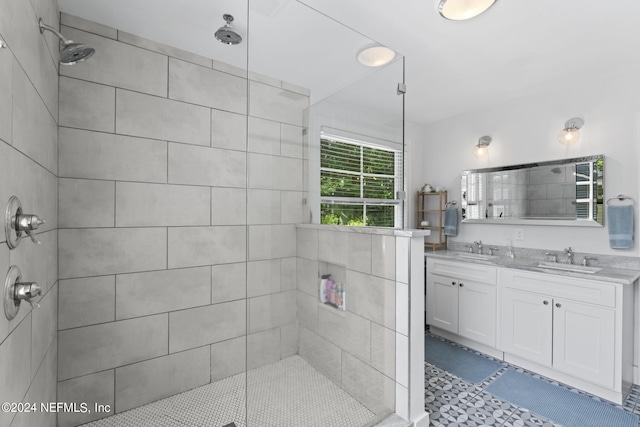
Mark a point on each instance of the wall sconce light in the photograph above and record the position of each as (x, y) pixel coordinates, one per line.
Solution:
(459, 10)
(571, 132)
(481, 150)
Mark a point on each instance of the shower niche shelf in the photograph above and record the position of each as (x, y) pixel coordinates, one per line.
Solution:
(332, 288)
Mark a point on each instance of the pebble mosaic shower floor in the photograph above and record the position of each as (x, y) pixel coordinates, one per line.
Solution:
(286, 393)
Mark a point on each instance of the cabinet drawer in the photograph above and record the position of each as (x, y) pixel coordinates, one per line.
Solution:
(570, 288)
(462, 270)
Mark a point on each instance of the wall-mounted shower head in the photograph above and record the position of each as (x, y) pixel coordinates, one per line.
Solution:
(71, 53)
(226, 34)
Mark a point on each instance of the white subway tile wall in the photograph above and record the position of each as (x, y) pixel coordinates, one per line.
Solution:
(177, 207)
(28, 170)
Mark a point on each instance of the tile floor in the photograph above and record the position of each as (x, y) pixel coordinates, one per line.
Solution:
(453, 402)
(286, 393)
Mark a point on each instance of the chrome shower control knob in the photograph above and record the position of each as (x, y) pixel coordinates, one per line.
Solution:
(16, 223)
(16, 291)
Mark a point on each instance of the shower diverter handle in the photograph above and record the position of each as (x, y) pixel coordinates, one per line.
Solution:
(26, 291)
(28, 223)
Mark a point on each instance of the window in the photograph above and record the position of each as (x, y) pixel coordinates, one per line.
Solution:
(358, 183)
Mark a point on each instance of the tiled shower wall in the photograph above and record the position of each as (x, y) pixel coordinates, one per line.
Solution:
(357, 348)
(180, 184)
(28, 170)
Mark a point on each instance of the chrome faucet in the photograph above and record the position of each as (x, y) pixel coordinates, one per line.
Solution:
(554, 257)
(479, 245)
(569, 253)
(586, 259)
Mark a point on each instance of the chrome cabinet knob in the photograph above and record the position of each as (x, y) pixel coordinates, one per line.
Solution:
(453, 283)
(461, 284)
(545, 302)
(558, 305)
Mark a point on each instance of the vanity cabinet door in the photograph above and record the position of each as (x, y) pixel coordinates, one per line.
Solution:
(584, 341)
(442, 302)
(527, 325)
(477, 312)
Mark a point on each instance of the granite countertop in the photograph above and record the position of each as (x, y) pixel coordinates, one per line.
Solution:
(605, 274)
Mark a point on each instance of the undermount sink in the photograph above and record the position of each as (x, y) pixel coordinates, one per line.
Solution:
(569, 267)
(467, 255)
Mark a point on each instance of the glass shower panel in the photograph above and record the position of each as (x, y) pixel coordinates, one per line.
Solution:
(309, 363)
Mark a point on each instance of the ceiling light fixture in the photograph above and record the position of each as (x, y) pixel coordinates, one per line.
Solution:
(571, 132)
(460, 10)
(481, 150)
(375, 56)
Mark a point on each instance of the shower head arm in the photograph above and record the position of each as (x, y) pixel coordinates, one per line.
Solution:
(44, 26)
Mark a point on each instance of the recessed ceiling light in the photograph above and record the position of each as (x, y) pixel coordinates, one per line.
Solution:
(375, 56)
(459, 10)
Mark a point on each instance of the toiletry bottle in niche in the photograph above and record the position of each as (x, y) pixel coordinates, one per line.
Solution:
(339, 295)
(330, 284)
(323, 288)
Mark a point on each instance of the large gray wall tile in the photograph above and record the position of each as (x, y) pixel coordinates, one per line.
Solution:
(263, 277)
(99, 251)
(118, 64)
(263, 348)
(367, 385)
(307, 243)
(359, 252)
(228, 358)
(91, 389)
(140, 205)
(271, 241)
(86, 301)
(195, 246)
(308, 279)
(99, 347)
(321, 354)
(289, 340)
(15, 367)
(263, 207)
(86, 203)
(228, 130)
(163, 48)
(38, 263)
(149, 116)
(307, 310)
(271, 311)
(228, 206)
(35, 186)
(288, 274)
(215, 323)
(372, 297)
(264, 136)
(383, 256)
(87, 105)
(141, 294)
(228, 282)
(333, 246)
(291, 141)
(44, 327)
(6, 95)
(89, 26)
(154, 379)
(34, 128)
(85, 154)
(291, 207)
(383, 350)
(205, 86)
(276, 104)
(190, 164)
(274, 172)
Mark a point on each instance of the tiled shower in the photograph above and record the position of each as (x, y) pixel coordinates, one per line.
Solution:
(172, 185)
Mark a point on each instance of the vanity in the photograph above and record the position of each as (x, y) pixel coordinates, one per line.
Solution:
(569, 323)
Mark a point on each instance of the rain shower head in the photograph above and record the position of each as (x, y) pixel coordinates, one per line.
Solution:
(71, 53)
(226, 34)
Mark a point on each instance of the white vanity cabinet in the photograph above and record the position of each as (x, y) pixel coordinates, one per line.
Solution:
(461, 299)
(578, 328)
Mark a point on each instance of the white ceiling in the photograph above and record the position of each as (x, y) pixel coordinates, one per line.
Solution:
(515, 48)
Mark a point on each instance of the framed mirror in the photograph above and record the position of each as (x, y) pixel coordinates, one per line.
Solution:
(559, 192)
